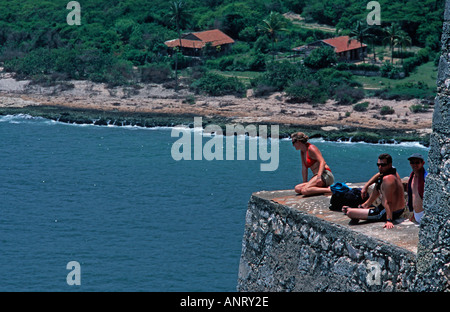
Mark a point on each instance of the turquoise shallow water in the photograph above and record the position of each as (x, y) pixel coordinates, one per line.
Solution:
(114, 200)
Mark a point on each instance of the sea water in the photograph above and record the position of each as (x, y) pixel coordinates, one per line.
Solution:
(134, 219)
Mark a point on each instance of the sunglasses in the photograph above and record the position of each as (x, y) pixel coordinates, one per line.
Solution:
(417, 162)
(381, 164)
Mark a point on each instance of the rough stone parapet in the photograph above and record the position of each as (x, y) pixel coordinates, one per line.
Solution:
(433, 264)
(293, 243)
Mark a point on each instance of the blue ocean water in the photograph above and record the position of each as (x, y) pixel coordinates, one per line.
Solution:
(114, 200)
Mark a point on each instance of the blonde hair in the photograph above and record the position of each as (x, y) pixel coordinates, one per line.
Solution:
(299, 136)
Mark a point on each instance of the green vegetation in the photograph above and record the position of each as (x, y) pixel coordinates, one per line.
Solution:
(419, 108)
(406, 91)
(387, 110)
(321, 58)
(215, 85)
(122, 43)
(324, 84)
(302, 84)
(420, 84)
(361, 107)
(410, 63)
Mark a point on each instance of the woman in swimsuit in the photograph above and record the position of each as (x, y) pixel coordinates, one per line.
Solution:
(312, 159)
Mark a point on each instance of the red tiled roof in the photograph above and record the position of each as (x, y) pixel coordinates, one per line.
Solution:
(342, 44)
(215, 37)
(193, 44)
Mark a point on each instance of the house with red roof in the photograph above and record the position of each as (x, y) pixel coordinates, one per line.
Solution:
(346, 49)
(192, 44)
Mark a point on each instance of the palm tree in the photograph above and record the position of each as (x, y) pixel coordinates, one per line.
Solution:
(392, 33)
(403, 40)
(372, 36)
(359, 33)
(179, 15)
(271, 26)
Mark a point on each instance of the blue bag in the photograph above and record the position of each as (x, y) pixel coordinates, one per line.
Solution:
(339, 187)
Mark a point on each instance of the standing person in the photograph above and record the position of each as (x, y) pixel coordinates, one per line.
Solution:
(416, 185)
(390, 187)
(312, 158)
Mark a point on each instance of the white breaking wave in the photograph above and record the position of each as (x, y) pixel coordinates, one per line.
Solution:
(414, 144)
(24, 118)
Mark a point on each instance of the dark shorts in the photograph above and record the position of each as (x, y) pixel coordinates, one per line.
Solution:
(378, 213)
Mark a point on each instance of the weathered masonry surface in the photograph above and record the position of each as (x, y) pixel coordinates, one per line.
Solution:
(295, 243)
(433, 261)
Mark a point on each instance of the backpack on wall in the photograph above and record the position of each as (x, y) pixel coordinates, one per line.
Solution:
(347, 197)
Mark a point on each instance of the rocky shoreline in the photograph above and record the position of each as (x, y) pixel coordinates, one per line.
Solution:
(154, 105)
(149, 120)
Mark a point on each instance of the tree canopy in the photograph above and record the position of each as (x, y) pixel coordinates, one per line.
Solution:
(117, 35)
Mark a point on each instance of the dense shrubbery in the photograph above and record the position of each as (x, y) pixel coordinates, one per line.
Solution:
(216, 85)
(157, 73)
(63, 64)
(321, 58)
(387, 110)
(243, 57)
(419, 108)
(243, 62)
(361, 107)
(353, 66)
(421, 57)
(389, 71)
(85, 64)
(115, 36)
(306, 91)
(279, 75)
(402, 54)
(407, 91)
(37, 62)
(340, 86)
(303, 85)
(345, 95)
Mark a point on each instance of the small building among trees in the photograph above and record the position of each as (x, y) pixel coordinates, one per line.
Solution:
(346, 49)
(198, 43)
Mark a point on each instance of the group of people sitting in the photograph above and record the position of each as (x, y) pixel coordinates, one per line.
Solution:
(388, 185)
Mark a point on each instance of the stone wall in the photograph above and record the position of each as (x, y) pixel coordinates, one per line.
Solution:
(434, 245)
(300, 245)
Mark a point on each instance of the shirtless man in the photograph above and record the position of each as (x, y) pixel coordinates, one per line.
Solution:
(416, 185)
(390, 187)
